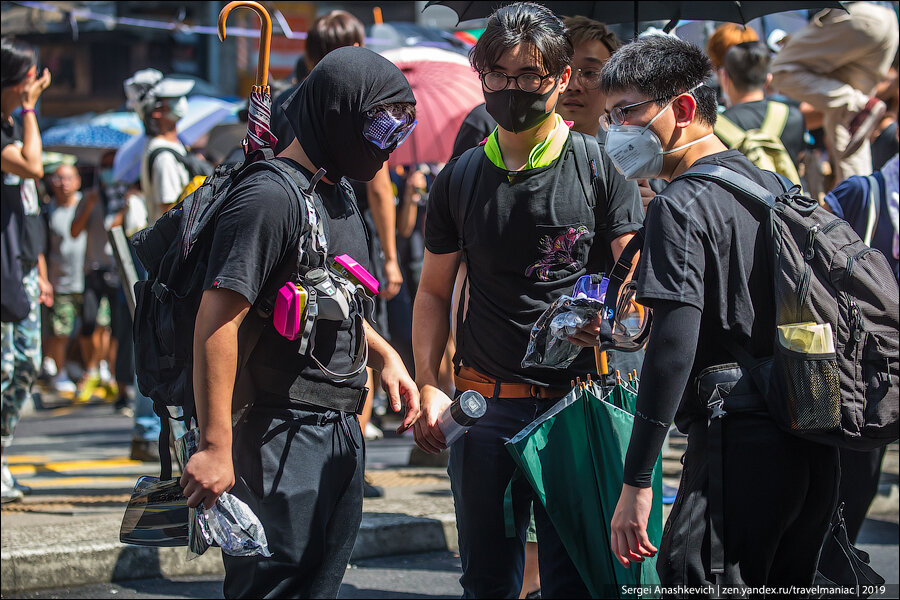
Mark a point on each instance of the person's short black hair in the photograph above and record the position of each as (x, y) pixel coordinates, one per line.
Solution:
(406, 110)
(300, 69)
(661, 67)
(747, 65)
(331, 31)
(16, 58)
(524, 23)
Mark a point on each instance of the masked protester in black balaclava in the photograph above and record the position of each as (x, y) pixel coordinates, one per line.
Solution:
(298, 460)
(327, 112)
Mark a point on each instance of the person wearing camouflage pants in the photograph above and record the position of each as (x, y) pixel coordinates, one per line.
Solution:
(21, 359)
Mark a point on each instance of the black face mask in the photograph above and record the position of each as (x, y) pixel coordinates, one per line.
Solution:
(515, 110)
(327, 111)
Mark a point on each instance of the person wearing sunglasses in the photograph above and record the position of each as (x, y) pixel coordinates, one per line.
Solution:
(299, 456)
(529, 226)
(704, 272)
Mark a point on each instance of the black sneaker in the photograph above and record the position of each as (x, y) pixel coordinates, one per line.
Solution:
(372, 491)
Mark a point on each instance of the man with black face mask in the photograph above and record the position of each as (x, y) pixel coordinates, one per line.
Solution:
(298, 458)
(530, 228)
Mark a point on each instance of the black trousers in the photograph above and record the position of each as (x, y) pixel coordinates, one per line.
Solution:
(779, 495)
(301, 471)
(860, 472)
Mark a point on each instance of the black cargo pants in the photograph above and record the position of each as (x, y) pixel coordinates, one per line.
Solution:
(300, 470)
(779, 496)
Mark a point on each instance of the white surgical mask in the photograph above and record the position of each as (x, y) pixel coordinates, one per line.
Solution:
(636, 152)
(179, 109)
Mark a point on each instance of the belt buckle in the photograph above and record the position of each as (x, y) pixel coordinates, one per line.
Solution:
(536, 391)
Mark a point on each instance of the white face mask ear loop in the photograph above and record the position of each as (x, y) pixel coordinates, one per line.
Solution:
(689, 144)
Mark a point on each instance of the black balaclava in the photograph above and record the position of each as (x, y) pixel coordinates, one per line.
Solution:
(326, 112)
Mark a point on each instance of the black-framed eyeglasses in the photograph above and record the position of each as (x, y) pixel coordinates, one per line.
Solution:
(495, 81)
(619, 114)
(589, 78)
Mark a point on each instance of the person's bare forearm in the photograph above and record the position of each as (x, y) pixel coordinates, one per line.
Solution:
(380, 351)
(431, 330)
(384, 213)
(32, 147)
(42, 266)
(79, 223)
(215, 365)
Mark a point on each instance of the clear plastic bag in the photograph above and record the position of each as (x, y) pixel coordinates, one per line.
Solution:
(548, 345)
(229, 524)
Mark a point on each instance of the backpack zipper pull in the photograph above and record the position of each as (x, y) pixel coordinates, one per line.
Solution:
(855, 320)
(810, 240)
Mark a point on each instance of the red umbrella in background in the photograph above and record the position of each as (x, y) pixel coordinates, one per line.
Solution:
(446, 89)
(259, 132)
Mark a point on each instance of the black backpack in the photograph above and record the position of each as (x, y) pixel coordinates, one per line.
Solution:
(175, 252)
(823, 273)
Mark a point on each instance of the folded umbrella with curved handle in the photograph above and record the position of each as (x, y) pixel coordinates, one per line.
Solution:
(259, 132)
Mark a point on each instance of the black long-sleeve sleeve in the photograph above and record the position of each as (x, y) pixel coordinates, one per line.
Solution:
(667, 365)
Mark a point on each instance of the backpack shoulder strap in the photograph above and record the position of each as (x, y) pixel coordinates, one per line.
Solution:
(463, 178)
(874, 207)
(775, 120)
(728, 131)
(734, 182)
(182, 160)
(588, 163)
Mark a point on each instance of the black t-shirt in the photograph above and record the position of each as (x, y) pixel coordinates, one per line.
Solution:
(705, 248)
(257, 228)
(24, 212)
(11, 187)
(884, 147)
(527, 243)
(750, 115)
(477, 125)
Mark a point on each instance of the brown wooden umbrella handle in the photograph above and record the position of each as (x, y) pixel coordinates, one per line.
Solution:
(265, 37)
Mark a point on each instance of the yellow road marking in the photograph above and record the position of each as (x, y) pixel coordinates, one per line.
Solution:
(73, 481)
(73, 465)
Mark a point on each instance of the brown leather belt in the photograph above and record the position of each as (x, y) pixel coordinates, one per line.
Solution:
(469, 379)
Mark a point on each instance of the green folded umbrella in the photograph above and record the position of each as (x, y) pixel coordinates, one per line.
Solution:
(574, 456)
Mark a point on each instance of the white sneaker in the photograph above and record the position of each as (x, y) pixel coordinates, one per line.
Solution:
(9, 493)
(5, 476)
(48, 366)
(373, 433)
(63, 385)
(105, 374)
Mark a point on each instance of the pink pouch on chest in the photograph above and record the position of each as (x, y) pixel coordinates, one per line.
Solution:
(290, 304)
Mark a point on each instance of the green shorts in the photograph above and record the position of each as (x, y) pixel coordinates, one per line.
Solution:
(65, 310)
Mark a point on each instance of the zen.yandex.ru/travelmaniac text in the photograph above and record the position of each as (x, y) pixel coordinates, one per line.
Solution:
(739, 591)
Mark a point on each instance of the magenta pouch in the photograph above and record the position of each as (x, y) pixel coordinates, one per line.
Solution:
(356, 273)
(290, 304)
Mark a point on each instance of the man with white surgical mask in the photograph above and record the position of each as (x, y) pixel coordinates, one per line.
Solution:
(754, 510)
(163, 180)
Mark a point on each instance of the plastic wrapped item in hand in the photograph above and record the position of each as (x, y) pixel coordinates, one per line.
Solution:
(548, 345)
(231, 525)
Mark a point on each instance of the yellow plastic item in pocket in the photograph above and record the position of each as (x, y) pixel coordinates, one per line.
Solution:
(810, 338)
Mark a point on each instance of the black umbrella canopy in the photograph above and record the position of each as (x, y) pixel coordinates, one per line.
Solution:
(627, 12)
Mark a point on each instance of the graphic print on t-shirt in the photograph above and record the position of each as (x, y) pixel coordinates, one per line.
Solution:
(557, 252)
